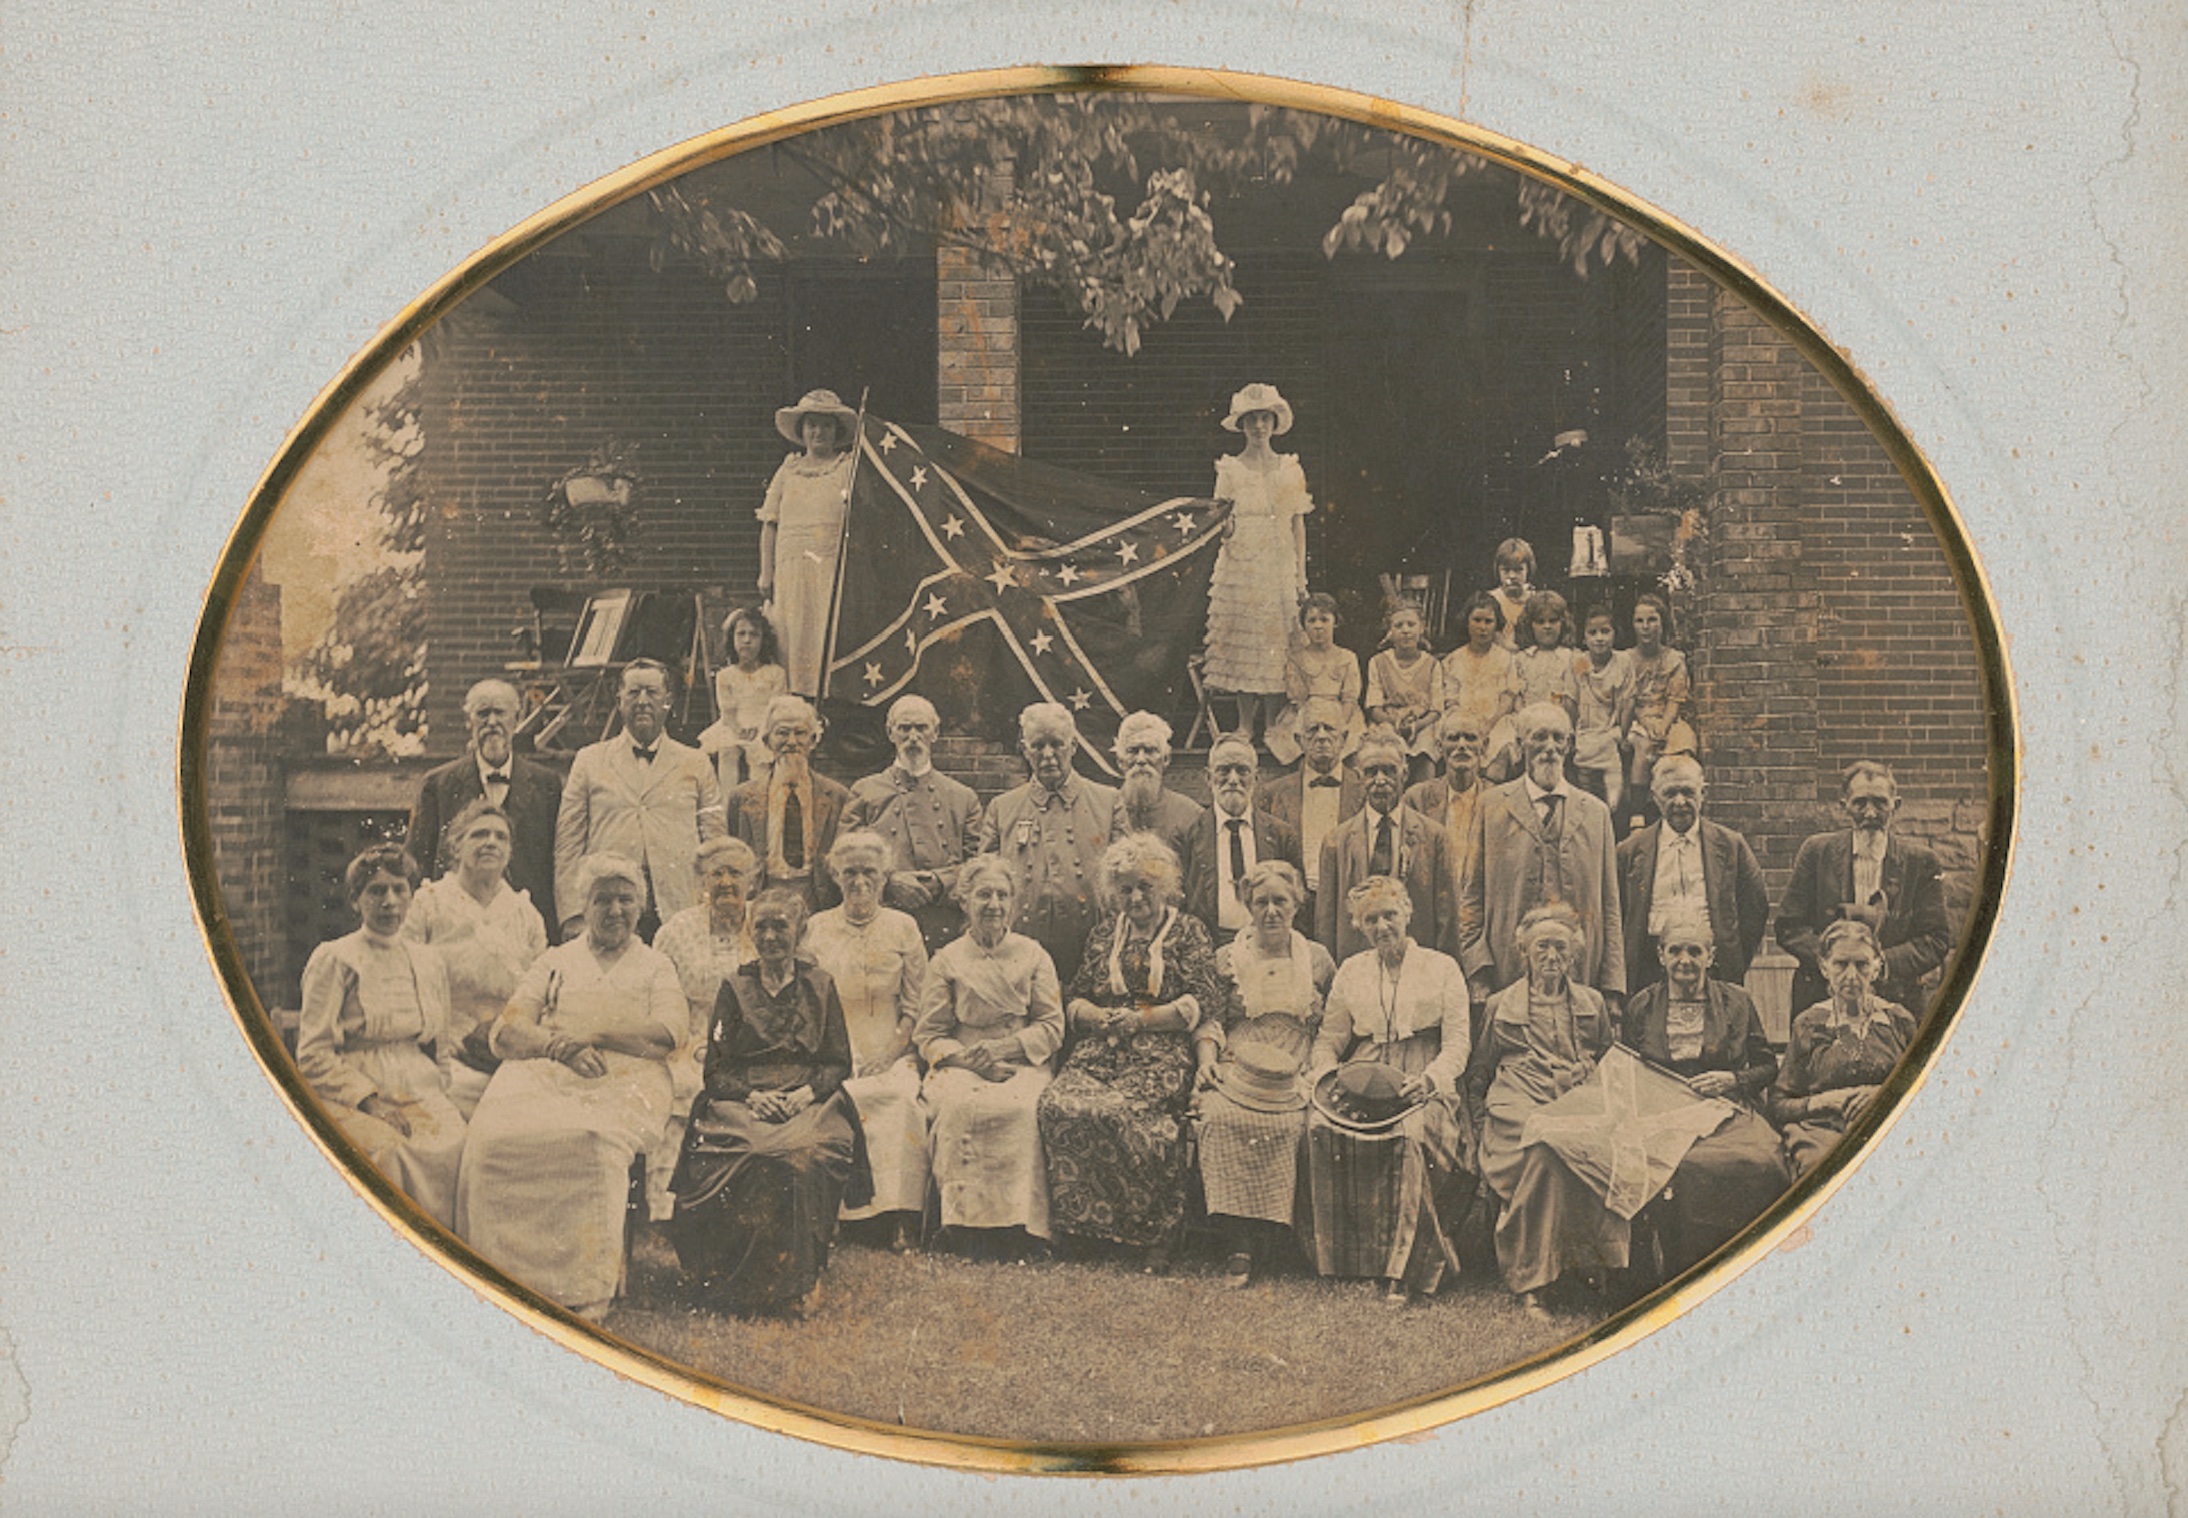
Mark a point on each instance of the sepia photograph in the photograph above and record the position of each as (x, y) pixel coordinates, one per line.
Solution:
(1100, 767)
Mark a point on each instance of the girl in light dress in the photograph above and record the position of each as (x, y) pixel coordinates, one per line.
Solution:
(1515, 563)
(1478, 677)
(1261, 568)
(1605, 674)
(1317, 667)
(1541, 671)
(1660, 693)
(1405, 687)
(743, 686)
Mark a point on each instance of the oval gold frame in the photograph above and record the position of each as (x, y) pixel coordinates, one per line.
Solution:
(968, 1452)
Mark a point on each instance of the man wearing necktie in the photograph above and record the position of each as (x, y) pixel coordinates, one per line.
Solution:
(1453, 797)
(1313, 799)
(790, 815)
(1385, 837)
(1686, 865)
(1866, 871)
(1539, 839)
(931, 821)
(528, 792)
(1230, 837)
(641, 794)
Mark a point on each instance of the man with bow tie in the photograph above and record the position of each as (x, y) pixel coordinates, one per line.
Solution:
(1539, 839)
(791, 814)
(531, 795)
(640, 794)
(1864, 871)
(1321, 793)
(932, 823)
(1385, 837)
(1230, 837)
(1684, 865)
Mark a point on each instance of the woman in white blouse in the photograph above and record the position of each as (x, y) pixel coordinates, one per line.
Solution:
(488, 933)
(707, 942)
(583, 1089)
(879, 964)
(1384, 1201)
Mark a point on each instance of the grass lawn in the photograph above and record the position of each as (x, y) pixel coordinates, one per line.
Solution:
(1085, 1352)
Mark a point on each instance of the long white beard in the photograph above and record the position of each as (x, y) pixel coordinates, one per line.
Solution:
(1142, 790)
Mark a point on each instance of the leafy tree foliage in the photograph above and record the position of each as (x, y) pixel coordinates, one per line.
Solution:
(1105, 198)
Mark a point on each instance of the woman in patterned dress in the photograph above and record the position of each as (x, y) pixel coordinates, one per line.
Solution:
(372, 1001)
(706, 942)
(1112, 1124)
(1252, 1106)
(1384, 1202)
(1261, 568)
(487, 934)
(879, 964)
(1839, 1051)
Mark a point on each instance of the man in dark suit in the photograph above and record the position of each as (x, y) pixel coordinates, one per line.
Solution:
(530, 793)
(1685, 863)
(1386, 837)
(789, 816)
(1321, 793)
(1863, 871)
(1230, 838)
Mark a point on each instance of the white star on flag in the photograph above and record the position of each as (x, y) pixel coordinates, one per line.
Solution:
(1042, 641)
(888, 442)
(1128, 553)
(953, 527)
(937, 608)
(873, 674)
(1184, 519)
(1081, 699)
(919, 477)
(1002, 579)
(1068, 575)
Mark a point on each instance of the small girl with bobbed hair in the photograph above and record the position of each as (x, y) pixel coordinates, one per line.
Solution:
(1660, 694)
(1515, 563)
(1541, 671)
(750, 677)
(1605, 674)
(1316, 666)
(1478, 679)
(1405, 686)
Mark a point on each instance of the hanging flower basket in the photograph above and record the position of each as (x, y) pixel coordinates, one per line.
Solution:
(592, 512)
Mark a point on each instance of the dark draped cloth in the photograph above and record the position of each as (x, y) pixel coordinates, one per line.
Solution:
(1731, 1175)
(1113, 1122)
(1826, 1052)
(757, 1202)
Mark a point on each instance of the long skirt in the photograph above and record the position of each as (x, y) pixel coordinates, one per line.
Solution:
(890, 1111)
(1552, 1221)
(546, 1172)
(805, 584)
(423, 1164)
(1384, 1204)
(1807, 1143)
(1724, 1182)
(1112, 1128)
(756, 1202)
(1249, 1159)
(986, 1150)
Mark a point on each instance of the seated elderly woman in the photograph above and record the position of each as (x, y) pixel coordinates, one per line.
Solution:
(1113, 1124)
(1252, 1106)
(487, 933)
(1389, 1147)
(1840, 1050)
(774, 1148)
(372, 1001)
(879, 964)
(583, 1089)
(990, 1020)
(1541, 1037)
(706, 942)
(1707, 1032)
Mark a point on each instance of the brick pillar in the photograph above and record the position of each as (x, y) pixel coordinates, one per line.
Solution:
(1754, 645)
(977, 339)
(1689, 302)
(246, 782)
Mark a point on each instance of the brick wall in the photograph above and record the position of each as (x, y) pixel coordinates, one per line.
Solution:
(976, 342)
(244, 779)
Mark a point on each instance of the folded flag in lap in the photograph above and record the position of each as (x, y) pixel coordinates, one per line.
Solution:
(1625, 1129)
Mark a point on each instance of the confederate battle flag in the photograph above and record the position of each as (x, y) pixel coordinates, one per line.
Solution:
(1009, 582)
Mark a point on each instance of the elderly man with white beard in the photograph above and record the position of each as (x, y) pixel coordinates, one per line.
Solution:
(789, 816)
(1143, 755)
(1231, 836)
(932, 823)
(1051, 831)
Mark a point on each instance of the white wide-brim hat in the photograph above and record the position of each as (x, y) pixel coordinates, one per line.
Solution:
(1260, 398)
(815, 403)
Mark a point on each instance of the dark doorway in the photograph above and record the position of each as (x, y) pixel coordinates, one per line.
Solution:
(860, 327)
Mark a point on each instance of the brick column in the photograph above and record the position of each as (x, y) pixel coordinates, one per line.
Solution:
(1754, 645)
(1690, 300)
(977, 340)
(245, 782)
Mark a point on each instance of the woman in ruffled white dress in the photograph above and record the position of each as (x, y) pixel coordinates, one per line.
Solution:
(488, 933)
(1261, 567)
(879, 964)
(801, 530)
(372, 1000)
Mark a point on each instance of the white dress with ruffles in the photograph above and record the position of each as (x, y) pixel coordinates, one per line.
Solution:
(1253, 597)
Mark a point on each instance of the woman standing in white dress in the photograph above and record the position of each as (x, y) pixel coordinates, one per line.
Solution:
(879, 964)
(801, 530)
(1261, 569)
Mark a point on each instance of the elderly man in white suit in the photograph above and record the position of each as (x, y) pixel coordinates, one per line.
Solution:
(640, 794)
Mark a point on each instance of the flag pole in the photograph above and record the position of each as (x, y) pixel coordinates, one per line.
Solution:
(843, 538)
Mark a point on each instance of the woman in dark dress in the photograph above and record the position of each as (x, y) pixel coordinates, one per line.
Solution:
(1840, 1050)
(774, 1148)
(1707, 1033)
(1112, 1123)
